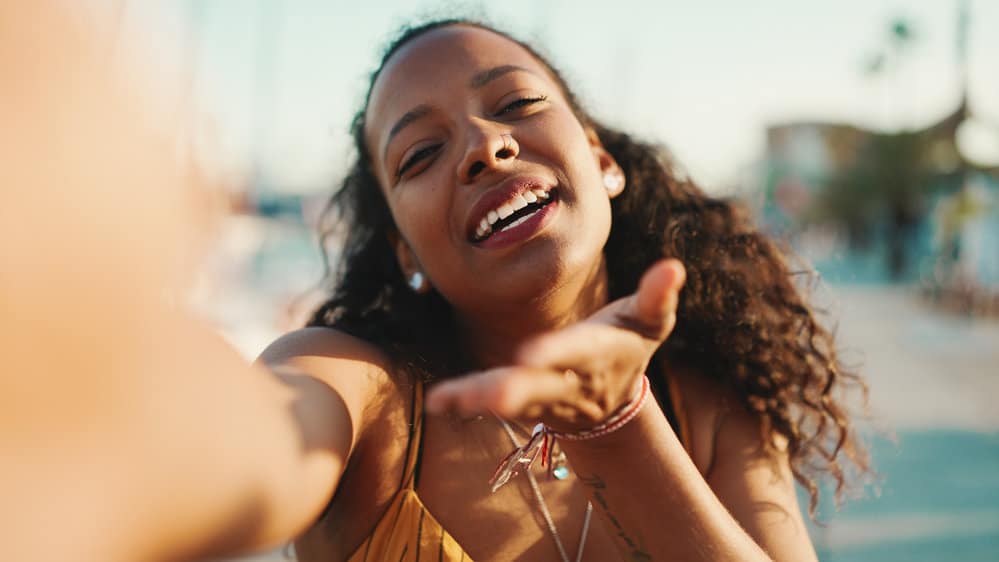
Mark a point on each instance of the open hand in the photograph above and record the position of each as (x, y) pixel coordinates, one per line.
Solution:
(577, 376)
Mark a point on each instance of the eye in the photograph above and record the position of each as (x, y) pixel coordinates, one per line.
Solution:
(521, 103)
(416, 158)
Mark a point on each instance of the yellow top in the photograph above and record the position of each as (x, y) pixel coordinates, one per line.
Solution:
(408, 532)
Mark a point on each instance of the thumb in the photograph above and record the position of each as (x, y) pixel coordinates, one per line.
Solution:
(658, 292)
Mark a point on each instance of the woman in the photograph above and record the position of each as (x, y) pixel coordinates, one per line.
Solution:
(493, 226)
(379, 439)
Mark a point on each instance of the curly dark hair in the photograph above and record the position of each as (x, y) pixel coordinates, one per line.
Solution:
(741, 320)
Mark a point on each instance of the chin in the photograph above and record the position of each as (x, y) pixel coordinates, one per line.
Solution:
(560, 272)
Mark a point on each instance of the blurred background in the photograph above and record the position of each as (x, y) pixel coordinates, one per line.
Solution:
(864, 133)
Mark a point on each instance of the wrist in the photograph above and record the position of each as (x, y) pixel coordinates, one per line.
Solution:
(543, 438)
(621, 416)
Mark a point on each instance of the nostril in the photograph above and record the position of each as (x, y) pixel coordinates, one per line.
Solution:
(475, 169)
(504, 153)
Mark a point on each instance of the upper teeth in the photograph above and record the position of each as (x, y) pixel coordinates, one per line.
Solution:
(516, 203)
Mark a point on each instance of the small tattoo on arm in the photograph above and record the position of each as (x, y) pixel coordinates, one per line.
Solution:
(592, 481)
(635, 551)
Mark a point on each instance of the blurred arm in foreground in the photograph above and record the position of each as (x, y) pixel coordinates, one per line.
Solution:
(128, 429)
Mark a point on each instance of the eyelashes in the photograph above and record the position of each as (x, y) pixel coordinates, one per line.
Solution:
(429, 151)
(421, 154)
(522, 102)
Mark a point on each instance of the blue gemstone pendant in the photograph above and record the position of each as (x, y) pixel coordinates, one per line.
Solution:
(561, 472)
(560, 466)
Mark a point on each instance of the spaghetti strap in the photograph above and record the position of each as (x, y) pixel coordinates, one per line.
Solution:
(415, 445)
(682, 427)
(407, 531)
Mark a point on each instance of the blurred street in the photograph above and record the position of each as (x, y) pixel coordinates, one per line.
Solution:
(934, 378)
(926, 368)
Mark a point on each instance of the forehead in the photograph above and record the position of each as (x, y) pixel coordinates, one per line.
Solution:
(436, 64)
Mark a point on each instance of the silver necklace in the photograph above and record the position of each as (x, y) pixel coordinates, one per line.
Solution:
(544, 507)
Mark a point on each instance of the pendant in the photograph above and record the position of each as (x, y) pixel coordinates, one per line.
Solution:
(521, 458)
(560, 466)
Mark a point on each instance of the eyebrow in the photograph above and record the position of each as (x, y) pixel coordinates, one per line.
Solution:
(479, 80)
(412, 115)
(486, 76)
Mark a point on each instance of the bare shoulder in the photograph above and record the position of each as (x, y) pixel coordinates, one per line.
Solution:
(379, 402)
(754, 482)
(356, 370)
(319, 342)
(715, 416)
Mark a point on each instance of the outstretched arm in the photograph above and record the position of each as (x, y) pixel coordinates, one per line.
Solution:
(128, 429)
(170, 448)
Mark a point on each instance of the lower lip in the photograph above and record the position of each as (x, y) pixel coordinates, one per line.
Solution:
(523, 231)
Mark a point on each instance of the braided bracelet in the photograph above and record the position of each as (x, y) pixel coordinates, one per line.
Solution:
(614, 423)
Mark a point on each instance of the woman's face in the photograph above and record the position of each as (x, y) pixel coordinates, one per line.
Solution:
(496, 188)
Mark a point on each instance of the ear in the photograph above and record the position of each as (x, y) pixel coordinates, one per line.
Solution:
(613, 175)
(409, 264)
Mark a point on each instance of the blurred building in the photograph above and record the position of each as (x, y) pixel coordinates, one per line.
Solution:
(866, 205)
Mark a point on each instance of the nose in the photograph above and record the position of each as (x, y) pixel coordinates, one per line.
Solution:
(486, 149)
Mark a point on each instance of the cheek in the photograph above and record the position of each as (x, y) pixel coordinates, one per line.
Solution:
(569, 145)
(422, 216)
(418, 218)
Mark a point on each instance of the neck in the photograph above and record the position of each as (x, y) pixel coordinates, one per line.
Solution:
(493, 337)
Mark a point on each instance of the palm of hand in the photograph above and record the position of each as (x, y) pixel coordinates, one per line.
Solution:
(574, 377)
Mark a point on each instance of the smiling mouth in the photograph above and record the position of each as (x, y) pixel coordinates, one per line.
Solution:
(515, 218)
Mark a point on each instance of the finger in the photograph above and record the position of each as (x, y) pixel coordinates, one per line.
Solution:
(457, 394)
(506, 391)
(584, 347)
(651, 310)
(654, 303)
(530, 392)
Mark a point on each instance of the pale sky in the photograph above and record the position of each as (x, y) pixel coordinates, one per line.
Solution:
(281, 80)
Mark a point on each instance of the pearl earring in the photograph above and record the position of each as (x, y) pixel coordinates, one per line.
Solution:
(416, 282)
(612, 182)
